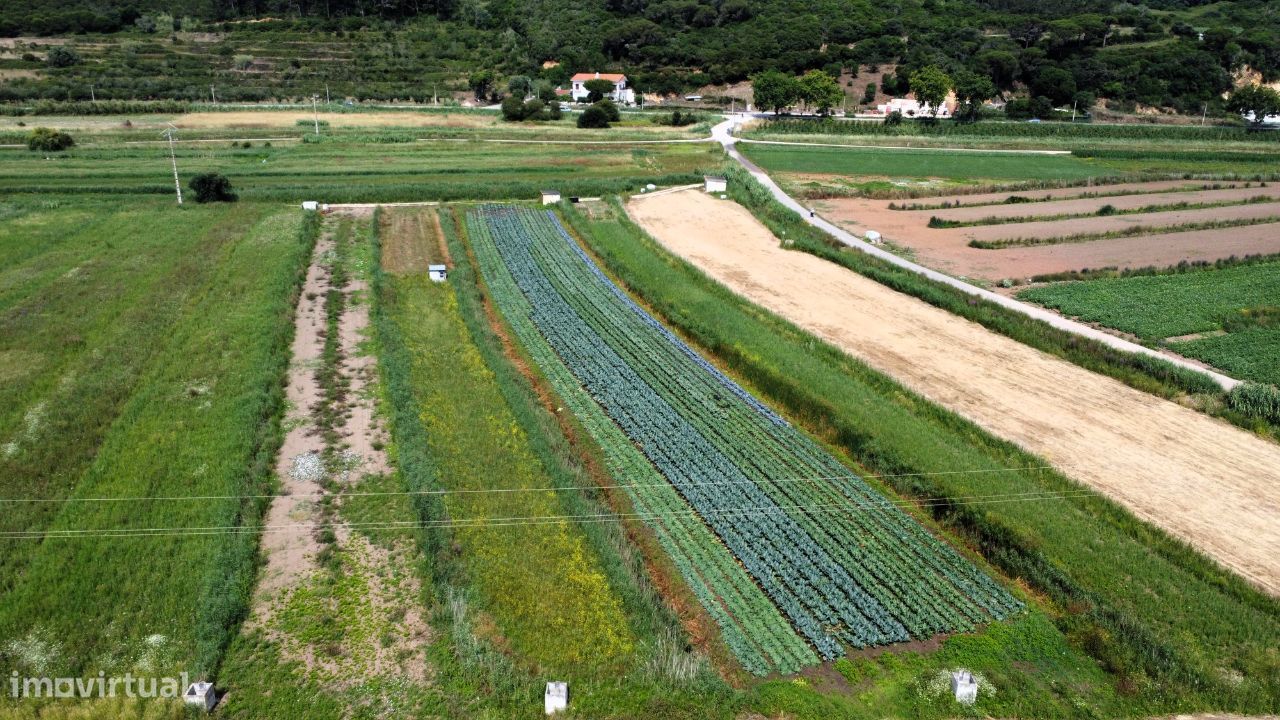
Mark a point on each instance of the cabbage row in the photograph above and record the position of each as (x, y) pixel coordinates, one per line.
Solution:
(813, 543)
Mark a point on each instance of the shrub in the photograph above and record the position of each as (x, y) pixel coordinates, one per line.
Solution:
(44, 139)
(893, 118)
(1107, 209)
(594, 117)
(1256, 400)
(212, 187)
(60, 57)
(610, 108)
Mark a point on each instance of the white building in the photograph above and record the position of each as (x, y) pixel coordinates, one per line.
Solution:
(715, 184)
(556, 697)
(550, 197)
(437, 273)
(621, 93)
(910, 107)
(201, 694)
(1266, 119)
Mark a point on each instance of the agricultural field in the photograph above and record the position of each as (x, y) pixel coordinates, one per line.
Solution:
(775, 500)
(1034, 234)
(143, 352)
(375, 164)
(1228, 317)
(884, 427)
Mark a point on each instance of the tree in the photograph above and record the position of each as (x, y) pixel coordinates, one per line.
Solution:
(212, 187)
(819, 90)
(60, 57)
(594, 117)
(930, 85)
(520, 85)
(772, 90)
(869, 94)
(1055, 83)
(1255, 101)
(481, 83)
(610, 109)
(513, 108)
(972, 90)
(598, 89)
(43, 139)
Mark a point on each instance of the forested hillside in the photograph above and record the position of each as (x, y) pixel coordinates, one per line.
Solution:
(1170, 53)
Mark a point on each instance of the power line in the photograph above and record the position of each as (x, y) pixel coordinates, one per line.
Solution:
(470, 491)
(526, 520)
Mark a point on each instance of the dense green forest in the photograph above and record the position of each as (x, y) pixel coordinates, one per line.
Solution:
(1171, 53)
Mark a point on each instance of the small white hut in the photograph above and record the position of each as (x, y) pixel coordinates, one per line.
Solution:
(437, 273)
(201, 694)
(872, 237)
(965, 687)
(715, 184)
(550, 197)
(556, 697)
(310, 205)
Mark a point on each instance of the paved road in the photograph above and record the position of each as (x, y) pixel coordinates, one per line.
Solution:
(723, 133)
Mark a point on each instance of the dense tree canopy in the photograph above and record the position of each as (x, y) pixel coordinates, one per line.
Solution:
(1178, 53)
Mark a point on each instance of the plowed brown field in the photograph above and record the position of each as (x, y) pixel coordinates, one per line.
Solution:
(1207, 482)
(948, 249)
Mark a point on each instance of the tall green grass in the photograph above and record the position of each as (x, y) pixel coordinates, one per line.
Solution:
(951, 129)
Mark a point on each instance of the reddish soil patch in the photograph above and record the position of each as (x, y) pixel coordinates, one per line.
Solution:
(948, 249)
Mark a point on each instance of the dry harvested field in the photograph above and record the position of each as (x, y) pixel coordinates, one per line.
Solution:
(1202, 480)
(948, 249)
(290, 118)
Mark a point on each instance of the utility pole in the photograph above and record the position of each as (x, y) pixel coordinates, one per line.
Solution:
(1073, 110)
(315, 112)
(213, 94)
(177, 185)
(434, 99)
(326, 93)
(92, 98)
(1205, 114)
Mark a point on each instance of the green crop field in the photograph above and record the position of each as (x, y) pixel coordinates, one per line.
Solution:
(356, 166)
(142, 348)
(1240, 301)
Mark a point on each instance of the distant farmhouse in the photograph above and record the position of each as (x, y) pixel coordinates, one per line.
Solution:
(914, 108)
(621, 94)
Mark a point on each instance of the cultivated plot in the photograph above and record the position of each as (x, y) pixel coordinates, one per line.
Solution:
(843, 565)
(1156, 458)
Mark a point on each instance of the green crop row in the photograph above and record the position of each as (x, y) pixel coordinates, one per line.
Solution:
(951, 129)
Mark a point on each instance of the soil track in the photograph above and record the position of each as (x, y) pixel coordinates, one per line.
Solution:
(948, 249)
(1202, 480)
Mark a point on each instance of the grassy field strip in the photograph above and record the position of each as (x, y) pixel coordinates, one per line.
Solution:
(992, 151)
(1130, 231)
(530, 578)
(919, 163)
(1067, 194)
(204, 419)
(948, 219)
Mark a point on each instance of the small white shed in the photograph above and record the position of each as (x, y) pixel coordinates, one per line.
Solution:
(437, 273)
(965, 687)
(715, 184)
(310, 205)
(872, 237)
(556, 697)
(550, 197)
(201, 694)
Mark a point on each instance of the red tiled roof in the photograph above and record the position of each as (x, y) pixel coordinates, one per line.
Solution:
(611, 77)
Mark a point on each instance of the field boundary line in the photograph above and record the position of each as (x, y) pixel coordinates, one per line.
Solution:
(723, 133)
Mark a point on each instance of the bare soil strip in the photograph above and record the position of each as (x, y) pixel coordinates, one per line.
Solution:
(312, 471)
(1170, 220)
(1079, 191)
(1080, 206)
(1204, 481)
(948, 250)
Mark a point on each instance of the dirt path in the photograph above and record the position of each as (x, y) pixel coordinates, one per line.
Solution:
(333, 444)
(1201, 479)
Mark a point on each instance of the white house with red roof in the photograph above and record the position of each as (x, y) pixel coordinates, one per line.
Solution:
(621, 93)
